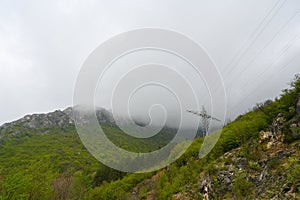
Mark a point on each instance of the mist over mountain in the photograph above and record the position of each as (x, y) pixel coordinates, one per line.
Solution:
(150, 100)
(65, 118)
(257, 156)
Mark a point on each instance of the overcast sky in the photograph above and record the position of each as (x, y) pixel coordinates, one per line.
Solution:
(254, 44)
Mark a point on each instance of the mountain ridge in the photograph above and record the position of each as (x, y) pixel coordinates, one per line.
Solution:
(57, 118)
(256, 157)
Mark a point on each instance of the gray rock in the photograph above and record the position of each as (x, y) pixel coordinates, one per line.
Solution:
(225, 179)
(277, 124)
(57, 119)
(241, 163)
(205, 186)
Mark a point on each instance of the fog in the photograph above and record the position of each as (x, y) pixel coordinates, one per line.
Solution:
(43, 44)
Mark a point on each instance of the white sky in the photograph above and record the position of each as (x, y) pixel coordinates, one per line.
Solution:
(255, 45)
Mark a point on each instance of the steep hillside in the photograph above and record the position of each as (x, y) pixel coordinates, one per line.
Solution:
(42, 157)
(256, 157)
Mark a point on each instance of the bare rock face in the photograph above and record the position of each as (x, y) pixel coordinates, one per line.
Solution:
(277, 124)
(40, 122)
(44, 122)
(274, 136)
(205, 186)
(268, 137)
(265, 136)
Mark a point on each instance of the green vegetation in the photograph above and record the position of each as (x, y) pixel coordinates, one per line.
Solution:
(294, 171)
(55, 165)
(242, 187)
(31, 165)
(242, 133)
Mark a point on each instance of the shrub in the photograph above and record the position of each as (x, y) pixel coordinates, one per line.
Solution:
(242, 187)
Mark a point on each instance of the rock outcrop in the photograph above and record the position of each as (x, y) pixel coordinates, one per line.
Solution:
(58, 119)
(274, 135)
(205, 186)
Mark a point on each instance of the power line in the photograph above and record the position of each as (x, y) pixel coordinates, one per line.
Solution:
(280, 55)
(284, 66)
(270, 41)
(242, 52)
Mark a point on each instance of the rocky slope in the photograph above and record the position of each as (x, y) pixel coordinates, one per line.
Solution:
(57, 119)
(265, 167)
(256, 157)
(265, 176)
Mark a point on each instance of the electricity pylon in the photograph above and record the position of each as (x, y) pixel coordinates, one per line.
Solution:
(205, 119)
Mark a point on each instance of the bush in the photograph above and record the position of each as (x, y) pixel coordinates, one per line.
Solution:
(243, 189)
(294, 170)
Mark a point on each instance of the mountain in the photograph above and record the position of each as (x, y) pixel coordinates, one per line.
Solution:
(256, 157)
(42, 157)
(58, 118)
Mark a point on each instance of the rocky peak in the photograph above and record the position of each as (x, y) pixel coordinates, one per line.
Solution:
(58, 118)
(38, 121)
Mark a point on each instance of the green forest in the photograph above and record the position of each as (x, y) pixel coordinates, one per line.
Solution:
(244, 164)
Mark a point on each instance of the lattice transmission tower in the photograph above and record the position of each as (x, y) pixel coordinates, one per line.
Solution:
(205, 119)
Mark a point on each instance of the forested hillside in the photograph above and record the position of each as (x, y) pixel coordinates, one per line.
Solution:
(257, 156)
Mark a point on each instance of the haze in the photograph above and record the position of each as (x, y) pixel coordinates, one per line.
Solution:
(254, 44)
